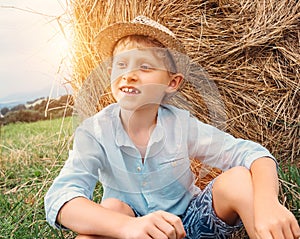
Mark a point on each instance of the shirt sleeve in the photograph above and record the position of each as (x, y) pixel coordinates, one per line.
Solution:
(221, 150)
(78, 176)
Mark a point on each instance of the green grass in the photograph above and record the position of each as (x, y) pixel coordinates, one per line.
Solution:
(31, 156)
(290, 188)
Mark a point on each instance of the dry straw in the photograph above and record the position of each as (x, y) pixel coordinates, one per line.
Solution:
(250, 49)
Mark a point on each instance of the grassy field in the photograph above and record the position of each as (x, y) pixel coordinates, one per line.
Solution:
(31, 155)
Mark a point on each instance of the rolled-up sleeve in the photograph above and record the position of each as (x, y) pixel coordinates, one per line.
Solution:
(78, 176)
(219, 149)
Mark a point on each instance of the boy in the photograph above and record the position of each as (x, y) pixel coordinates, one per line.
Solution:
(139, 149)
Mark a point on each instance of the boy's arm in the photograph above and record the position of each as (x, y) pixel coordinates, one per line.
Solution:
(271, 219)
(89, 218)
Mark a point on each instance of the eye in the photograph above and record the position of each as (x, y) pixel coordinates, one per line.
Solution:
(121, 64)
(146, 67)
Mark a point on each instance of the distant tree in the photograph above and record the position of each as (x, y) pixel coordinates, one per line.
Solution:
(22, 116)
(56, 108)
(4, 110)
(18, 107)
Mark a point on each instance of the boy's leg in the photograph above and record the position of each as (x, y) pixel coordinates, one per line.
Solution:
(115, 205)
(233, 198)
(118, 206)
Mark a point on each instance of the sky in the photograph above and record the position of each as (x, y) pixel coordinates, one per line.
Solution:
(34, 51)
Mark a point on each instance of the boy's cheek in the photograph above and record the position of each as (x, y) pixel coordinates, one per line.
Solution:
(115, 74)
(114, 89)
(118, 73)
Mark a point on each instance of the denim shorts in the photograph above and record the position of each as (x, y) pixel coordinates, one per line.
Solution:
(201, 221)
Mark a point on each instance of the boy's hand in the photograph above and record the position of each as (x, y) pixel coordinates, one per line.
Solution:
(271, 219)
(274, 221)
(158, 225)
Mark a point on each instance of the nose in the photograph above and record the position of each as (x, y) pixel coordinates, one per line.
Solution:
(130, 76)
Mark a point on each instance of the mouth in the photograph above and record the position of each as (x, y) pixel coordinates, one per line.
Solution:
(130, 90)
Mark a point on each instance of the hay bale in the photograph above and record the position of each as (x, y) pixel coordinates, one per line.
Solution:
(250, 49)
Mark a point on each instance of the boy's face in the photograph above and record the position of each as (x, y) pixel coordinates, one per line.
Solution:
(139, 77)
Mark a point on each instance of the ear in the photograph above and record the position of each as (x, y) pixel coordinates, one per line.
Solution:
(175, 83)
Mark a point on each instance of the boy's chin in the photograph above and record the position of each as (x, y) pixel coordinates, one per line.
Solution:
(130, 106)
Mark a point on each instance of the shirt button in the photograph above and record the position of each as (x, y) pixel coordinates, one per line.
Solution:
(139, 169)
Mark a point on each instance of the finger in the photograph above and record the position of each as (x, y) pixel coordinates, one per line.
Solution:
(287, 232)
(179, 228)
(155, 232)
(167, 229)
(261, 234)
(278, 234)
(163, 229)
(176, 222)
(295, 229)
(164, 225)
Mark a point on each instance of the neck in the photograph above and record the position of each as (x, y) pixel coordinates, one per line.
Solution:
(139, 125)
(139, 119)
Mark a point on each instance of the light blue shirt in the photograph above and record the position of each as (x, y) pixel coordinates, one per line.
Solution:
(103, 151)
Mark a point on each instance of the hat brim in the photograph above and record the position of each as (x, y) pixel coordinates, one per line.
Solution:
(105, 41)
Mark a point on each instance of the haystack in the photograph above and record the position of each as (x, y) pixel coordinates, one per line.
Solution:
(249, 49)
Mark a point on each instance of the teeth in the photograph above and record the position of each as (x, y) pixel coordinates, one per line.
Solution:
(130, 90)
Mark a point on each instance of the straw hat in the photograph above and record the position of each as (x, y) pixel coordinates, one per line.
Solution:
(141, 25)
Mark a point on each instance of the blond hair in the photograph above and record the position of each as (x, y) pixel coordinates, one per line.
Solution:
(141, 41)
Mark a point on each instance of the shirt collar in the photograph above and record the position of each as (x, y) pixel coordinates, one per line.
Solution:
(122, 138)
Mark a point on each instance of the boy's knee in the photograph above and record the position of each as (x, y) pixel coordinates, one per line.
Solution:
(117, 205)
(113, 204)
(240, 174)
(234, 183)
